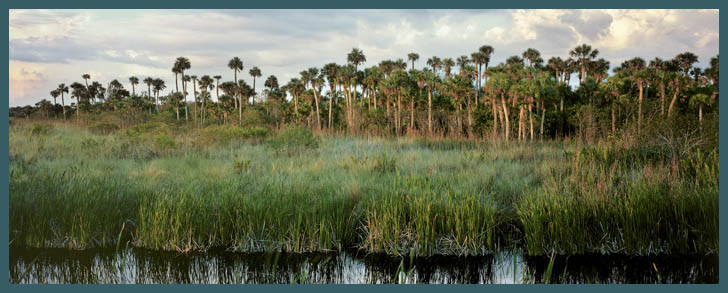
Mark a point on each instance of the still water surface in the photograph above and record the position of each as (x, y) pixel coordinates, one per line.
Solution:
(219, 266)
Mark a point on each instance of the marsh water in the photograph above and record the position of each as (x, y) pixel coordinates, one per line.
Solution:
(219, 266)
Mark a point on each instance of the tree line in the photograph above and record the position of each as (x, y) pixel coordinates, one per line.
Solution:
(523, 98)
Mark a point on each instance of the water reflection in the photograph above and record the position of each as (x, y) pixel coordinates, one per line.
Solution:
(219, 266)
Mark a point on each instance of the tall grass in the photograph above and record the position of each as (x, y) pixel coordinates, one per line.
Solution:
(173, 188)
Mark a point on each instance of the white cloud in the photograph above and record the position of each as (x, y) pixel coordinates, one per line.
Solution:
(110, 44)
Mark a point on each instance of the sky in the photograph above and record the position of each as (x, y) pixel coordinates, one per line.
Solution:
(48, 47)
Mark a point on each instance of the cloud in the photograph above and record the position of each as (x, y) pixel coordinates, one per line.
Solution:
(115, 44)
(25, 79)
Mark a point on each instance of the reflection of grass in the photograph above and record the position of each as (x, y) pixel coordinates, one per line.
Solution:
(72, 188)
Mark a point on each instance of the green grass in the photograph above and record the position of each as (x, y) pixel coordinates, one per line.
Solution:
(174, 188)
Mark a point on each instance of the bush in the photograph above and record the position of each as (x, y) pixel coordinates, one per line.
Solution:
(242, 165)
(37, 129)
(253, 117)
(148, 128)
(104, 128)
(225, 134)
(164, 142)
(384, 163)
(294, 139)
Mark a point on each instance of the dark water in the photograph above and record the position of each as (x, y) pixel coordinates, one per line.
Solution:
(219, 266)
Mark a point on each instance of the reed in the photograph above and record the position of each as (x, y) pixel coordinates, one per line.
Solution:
(194, 189)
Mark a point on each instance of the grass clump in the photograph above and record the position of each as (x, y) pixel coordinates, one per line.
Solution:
(294, 140)
(104, 128)
(228, 134)
(39, 129)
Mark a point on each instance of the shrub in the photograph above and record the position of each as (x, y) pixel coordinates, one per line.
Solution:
(384, 163)
(294, 139)
(242, 165)
(225, 134)
(37, 129)
(164, 141)
(253, 117)
(104, 128)
(148, 128)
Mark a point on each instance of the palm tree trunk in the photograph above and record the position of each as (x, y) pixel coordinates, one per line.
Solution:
(412, 114)
(318, 115)
(495, 117)
(78, 110)
(639, 114)
(662, 98)
(614, 123)
(63, 106)
(399, 113)
(543, 117)
(429, 111)
(672, 103)
(331, 106)
(530, 118)
(520, 123)
(470, 118)
(505, 114)
(700, 114)
(240, 110)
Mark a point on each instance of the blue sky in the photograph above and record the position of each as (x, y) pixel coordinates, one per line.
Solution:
(48, 47)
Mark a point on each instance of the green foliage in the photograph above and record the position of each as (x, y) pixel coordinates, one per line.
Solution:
(242, 165)
(400, 196)
(227, 134)
(253, 117)
(148, 128)
(164, 142)
(294, 140)
(39, 129)
(104, 128)
(384, 163)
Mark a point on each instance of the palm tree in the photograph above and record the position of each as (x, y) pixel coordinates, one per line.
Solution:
(531, 55)
(556, 66)
(356, 57)
(448, 64)
(413, 57)
(487, 52)
(435, 63)
(62, 88)
(462, 62)
(134, 81)
(79, 93)
(176, 70)
(271, 83)
(641, 77)
(599, 69)
(686, 61)
(86, 77)
(313, 77)
(158, 85)
(431, 81)
(180, 65)
(331, 71)
(217, 86)
(55, 93)
(237, 65)
(149, 80)
(255, 72)
(205, 85)
(479, 59)
(584, 54)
